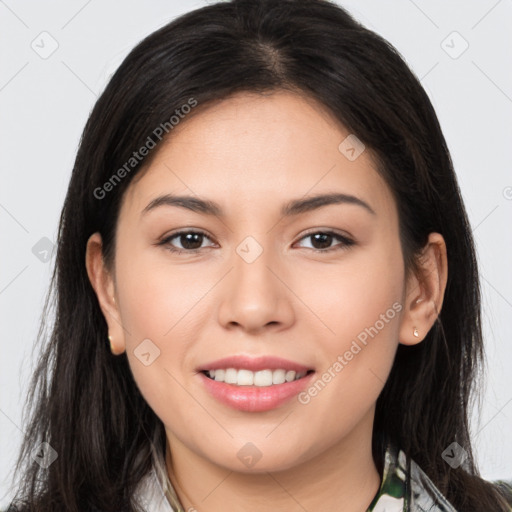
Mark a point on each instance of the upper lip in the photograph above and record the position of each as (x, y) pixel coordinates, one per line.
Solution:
(243, 362)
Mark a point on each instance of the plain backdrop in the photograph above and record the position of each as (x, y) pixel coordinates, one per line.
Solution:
(56, 57)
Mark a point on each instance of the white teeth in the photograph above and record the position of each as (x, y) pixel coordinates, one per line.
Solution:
(244, 377)
(290, 375)
(262, 378)
(219, 375)
(231, 376)
(278, 377)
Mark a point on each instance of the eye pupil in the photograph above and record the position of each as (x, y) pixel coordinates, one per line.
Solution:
(323, 238)
(191, 238)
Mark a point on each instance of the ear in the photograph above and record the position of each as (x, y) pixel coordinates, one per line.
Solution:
(103, 283)
(425, 291)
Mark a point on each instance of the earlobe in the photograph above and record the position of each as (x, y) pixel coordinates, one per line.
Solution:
(103, 285)
(411, 332)
(425, 291)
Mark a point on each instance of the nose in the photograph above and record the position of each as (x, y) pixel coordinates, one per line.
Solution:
(255, 296)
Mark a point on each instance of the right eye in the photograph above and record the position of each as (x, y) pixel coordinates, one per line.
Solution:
(191, 241)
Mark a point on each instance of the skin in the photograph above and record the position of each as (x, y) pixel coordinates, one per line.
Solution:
(252, 154)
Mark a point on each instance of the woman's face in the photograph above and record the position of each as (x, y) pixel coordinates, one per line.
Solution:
(268, 279)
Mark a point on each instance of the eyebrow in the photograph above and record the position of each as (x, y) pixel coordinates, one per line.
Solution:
(294, 207)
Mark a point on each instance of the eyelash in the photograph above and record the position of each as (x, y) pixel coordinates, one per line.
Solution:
(346, 242)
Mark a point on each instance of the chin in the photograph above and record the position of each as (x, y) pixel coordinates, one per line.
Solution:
(250, 460)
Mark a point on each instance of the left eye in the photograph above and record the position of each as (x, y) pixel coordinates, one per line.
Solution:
(324, 240)
(192, 241)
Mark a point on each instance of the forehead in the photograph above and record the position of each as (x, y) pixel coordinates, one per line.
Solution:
(255, 150)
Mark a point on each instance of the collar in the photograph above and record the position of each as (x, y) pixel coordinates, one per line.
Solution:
(406, 488)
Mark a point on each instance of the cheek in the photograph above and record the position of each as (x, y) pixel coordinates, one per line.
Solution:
(355, 299)
(159, 298)
(360, 308)
(162, 303)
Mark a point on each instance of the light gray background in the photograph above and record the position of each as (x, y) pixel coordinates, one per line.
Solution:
(45, 103)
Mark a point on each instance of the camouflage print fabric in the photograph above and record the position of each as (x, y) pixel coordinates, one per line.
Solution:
(397, 493)
(419, 494)
(396, 496)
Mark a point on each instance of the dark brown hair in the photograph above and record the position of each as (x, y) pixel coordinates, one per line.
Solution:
(84, 401)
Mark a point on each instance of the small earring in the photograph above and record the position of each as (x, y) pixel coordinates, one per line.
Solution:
(110, 340)
(415, 332)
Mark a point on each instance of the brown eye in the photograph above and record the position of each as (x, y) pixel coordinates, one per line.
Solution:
(190, 241)
(321, 241)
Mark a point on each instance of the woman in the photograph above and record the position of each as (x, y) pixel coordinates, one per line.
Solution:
(266, 289)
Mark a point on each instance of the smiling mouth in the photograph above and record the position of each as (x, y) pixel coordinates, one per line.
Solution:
(261, 378)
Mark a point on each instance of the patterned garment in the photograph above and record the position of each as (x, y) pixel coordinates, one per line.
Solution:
(393, 495)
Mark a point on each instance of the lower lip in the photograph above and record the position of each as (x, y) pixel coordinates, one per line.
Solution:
(255, 398)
